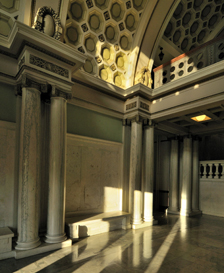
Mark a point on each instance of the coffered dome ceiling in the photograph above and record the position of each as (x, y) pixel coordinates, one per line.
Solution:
(192, 24)
(105, 31)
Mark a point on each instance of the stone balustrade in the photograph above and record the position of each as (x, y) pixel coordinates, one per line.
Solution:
(190, 62)
(212, 170)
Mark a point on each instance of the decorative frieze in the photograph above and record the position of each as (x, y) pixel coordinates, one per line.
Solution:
(138, 106)
(131, 105)
(21, 63)
(49, 66)
(144, 106)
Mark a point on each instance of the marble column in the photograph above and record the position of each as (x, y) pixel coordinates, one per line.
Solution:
(186, 197)
(29, 170)
(57, 153)
(135, 195)
(126, 161)
(148, 175)
(195, 177)
(17, 147)
(174, 178)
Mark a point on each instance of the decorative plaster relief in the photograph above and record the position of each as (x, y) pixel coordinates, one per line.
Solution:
(47, 21)
(144, 106)
(49, 66)
(131, 105)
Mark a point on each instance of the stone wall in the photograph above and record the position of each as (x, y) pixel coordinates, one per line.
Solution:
(8, 189)
(94, 175)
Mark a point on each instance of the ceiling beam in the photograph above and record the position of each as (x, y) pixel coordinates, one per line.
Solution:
(172, 128)
(211, 115)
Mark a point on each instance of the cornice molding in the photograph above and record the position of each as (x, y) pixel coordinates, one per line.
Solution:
(22, 35)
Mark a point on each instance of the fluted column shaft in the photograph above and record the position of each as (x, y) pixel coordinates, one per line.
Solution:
(57, 153)
(174, 178)
(195, 177)
(148, 177)
(186, 197)
(135, 173)
(29, 170)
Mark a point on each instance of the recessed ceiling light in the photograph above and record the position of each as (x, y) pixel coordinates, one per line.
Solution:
(201, 118)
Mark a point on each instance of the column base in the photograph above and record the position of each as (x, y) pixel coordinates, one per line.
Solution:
(197, 212)
(148, 219)
(144, 224)
(43, 248)
(190, 213)
(28, 245)
(55, 239)
(173, 211)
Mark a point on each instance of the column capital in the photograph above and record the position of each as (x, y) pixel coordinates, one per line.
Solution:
(137, 118)
(149, 123)
(175, 138)
(126, 122)
(59, 92)
(29, 81)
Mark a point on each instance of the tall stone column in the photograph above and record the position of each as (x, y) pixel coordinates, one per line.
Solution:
(57, 169)
(135, 195)
(195, 177)
(186, 197)
(174, 178)
(148, 175)
(29, 169)
(126, 161)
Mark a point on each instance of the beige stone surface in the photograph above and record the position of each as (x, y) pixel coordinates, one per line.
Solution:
(7, 190)
(93, 175)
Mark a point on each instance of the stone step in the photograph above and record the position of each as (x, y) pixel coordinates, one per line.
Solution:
(87, 225)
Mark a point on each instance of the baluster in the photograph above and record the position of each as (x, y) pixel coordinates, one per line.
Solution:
(202, 168)
(208, 170)
(216, 170)
(221, 170)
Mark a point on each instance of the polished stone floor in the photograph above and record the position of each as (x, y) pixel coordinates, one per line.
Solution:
(177, 244)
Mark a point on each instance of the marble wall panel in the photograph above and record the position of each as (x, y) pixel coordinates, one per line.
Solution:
(211, 197)
(7, 188)
(94, 170)
(91, 177)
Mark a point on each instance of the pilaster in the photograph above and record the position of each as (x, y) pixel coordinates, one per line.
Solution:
(174, 178)
(148, 172)
(195, 176)
(135, 194)
(186, 195)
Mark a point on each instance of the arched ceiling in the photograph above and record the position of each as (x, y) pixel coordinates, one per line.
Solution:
(192, 24)
(121, 37)
(104, 30)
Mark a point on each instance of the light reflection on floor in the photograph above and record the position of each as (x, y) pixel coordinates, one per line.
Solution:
(177, 244)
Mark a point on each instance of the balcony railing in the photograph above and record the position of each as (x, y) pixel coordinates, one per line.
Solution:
(212, 170)
(190, 62)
